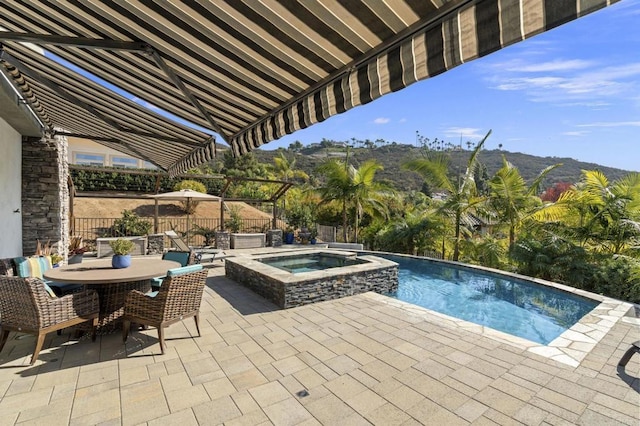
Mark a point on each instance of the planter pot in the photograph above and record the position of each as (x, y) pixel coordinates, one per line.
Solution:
(313, 241)
(119, 261)
(288, 237)
(76, 258)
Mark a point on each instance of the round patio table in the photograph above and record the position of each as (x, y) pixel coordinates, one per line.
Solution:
(112, 285)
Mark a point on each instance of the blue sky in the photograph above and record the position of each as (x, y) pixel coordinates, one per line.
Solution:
(570, 92)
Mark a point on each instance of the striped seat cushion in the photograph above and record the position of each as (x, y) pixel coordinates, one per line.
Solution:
(33, 266)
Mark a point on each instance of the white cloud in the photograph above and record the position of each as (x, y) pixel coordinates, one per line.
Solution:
(145, 104)
(463, 132)
(552, 66)
(612, 124)
(381, 120)
(565, 81)
(597, 105)
(575, 133)
(402, 120)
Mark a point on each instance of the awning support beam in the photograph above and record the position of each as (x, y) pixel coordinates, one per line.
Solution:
(115, 140)
(186, 92)
(90, 43)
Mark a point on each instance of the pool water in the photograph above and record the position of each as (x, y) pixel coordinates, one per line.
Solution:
(524, 309)
(310, 262)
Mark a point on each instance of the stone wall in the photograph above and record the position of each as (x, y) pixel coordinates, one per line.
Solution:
(274, 237)
(155, 244)
(45, 194)
(223, 240)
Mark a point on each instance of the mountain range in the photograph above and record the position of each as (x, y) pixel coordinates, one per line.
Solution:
(392, 156)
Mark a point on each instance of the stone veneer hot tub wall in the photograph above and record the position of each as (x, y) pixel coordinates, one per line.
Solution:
(288, 290)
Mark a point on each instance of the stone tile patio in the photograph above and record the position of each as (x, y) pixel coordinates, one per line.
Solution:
(357, 360)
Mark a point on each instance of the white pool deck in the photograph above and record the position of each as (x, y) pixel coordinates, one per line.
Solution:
(364, 359)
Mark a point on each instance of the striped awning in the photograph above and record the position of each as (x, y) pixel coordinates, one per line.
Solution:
(253, 71)
(69, 104)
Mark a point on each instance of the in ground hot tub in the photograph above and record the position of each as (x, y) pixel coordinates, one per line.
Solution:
(303, 277)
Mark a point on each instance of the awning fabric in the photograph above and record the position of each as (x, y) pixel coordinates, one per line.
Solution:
(69, 101)
(253, 71)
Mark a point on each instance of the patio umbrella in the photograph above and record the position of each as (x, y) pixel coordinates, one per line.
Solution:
(187, 195)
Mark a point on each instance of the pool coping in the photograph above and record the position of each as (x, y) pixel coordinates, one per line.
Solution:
(252, 261)
(570, 348)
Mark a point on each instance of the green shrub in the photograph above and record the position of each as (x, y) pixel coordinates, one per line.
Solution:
(209, 234)
(190, 184)
(551, 258)
(130, 225)
(615, 277)
(234, 223)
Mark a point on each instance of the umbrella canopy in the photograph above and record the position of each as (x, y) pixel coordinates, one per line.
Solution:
(187, 195)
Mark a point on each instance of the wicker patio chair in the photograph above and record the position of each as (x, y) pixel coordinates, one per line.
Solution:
(179, 297)
(184, 258)
(27, 307)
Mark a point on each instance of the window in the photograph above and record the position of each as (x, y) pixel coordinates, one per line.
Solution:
(89, 159)
(128, 162)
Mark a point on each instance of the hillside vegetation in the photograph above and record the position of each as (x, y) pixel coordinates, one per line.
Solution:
(391, 156)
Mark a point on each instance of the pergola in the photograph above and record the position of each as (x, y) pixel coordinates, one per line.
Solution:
(248, 71)
(281, 189)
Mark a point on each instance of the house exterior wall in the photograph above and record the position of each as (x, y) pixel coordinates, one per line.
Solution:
(88, 152)
(10, 172)
(45, 194)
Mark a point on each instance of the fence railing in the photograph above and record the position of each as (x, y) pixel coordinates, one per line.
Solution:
(91, 228)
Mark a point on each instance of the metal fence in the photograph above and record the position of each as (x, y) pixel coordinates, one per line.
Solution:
(91, 228)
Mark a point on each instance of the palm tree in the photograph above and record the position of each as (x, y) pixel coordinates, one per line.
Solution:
(353, 188)
(462, 198)
(285, 169)
(601, 214)
(510, 196)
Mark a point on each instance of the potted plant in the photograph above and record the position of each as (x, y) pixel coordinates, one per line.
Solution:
(313, 234)
(121, 253)
(56, 259)
(289, 236)
(76, 250)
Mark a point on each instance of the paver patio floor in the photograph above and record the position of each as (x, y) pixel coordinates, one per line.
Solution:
(350, 361)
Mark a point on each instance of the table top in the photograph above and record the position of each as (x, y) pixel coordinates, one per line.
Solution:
(101, 272)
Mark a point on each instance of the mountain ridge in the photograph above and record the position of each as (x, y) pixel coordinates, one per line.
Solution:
(391, 156)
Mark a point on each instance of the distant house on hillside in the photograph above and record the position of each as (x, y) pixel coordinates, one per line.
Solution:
(89, 153)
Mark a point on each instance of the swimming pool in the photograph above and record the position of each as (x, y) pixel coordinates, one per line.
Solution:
(518, 307)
